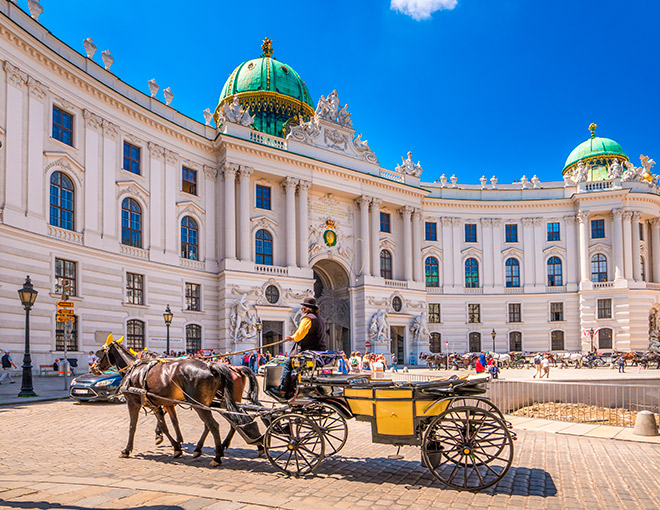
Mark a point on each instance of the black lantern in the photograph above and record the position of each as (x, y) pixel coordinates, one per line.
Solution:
(28, 296)
(168, 316)
(493, 335)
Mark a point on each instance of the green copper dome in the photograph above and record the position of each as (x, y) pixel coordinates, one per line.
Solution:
(272, 90)
(596, 150)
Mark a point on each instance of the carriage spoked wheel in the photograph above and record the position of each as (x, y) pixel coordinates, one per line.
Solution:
(467, 448)
(332, 424)
(294, 444)
(482, 403)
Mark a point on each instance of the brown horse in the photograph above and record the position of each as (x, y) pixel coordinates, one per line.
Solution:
(170, 381)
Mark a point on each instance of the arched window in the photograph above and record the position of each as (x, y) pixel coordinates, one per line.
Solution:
(131, 223)
(135, 334)
(557, 341)
(436, 342)
(555, 272)
(189, 239)
(432, 272)
(515, 341)
(193, 338)
(598, 268)
(475, 341)
(386, 264)
(61, 201)
(604, 338)
(471, 273)
(512, 272)
(263, 247)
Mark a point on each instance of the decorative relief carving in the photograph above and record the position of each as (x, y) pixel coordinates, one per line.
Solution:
(92, 121)
(289, 183)
(110, 130)
(229, 170)
(37, 89)
(63, 103)
(171, 157)
(134, 252)
(66, 235)
(582, 216)
(407, 167)
(570, 218)
(245, 172)
(15, 76)
(156, 150)
(335, 139)
(192, 264)
(133, 139)
(210, 172)
(627, 215)
(379, 328)
(234, 113)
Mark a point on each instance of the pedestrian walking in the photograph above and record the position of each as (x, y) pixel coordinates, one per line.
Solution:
(545, 365)
(537, 365)
(394, 360)
(343, 364)
(5, 371)
(479, 368)
(621, 363)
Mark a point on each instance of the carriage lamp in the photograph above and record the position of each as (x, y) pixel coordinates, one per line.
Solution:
(28, 296)
(168, 316)
(493, 335)
(591, 335)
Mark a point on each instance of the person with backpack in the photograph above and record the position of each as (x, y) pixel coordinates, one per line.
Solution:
(354, 362)
(7, 365)
(537, 365)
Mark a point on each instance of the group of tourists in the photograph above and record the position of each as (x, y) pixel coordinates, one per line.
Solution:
(255, 359)
(489, 365)
(369, 363)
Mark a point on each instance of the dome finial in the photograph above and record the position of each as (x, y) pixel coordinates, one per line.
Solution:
(592, 128)
(267, 47)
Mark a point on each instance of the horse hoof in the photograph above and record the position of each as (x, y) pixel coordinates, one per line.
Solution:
(215, 463)
(158, 440)
(261, 451)
(124, 455)
(196, 454)
(177, 453)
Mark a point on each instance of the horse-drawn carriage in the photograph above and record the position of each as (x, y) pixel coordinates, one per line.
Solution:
(464, 439)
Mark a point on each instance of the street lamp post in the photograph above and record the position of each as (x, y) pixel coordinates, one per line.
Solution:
(28, 296)
(260, 327)
(168, 315)
(493, 335)
(591, 335)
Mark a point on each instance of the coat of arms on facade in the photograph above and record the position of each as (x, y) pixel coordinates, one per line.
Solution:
(330, 235)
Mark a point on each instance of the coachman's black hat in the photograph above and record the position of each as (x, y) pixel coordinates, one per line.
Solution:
(310, 302)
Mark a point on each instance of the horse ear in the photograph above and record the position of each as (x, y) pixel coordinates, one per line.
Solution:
(121, 339)
(108, 340)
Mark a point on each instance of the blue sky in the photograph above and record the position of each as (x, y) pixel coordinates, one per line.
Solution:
(494, 87)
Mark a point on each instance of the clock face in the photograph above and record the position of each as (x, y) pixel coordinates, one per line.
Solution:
(330, 237)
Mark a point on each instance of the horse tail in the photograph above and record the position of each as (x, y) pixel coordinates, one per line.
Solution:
(223, 373)
(253, 391)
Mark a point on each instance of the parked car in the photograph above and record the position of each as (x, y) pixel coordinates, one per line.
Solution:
(96, 388)
(278, 360)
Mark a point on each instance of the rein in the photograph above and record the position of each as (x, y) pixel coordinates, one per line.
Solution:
(243, 351)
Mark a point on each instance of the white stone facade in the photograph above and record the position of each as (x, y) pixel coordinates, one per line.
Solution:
(321, 177)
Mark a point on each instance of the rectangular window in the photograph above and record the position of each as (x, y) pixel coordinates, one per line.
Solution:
(62, 126)
(597, 229)
(514, 312)
(431, 231)
(604, 308)
(65, 277)
(263, 197)
(553, 231)
(470, 232)
(474, 314)
(131, 158)
(189, 180)
(434, 313)
(511, 233)
(385, 222)
(134, 289)
(556, 312)
(193, 301)
(72, 344)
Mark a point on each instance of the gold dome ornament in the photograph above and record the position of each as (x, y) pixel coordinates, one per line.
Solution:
(267, 47)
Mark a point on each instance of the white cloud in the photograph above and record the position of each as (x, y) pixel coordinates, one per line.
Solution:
(421, 9)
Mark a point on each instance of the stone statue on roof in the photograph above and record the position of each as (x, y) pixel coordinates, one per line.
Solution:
(407, 166)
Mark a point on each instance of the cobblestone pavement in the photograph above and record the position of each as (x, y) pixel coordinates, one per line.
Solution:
(65, 455)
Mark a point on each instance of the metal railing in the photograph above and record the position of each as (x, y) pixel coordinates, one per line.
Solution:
(598, 404)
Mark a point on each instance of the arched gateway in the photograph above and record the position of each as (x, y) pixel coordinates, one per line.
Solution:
(331, 291)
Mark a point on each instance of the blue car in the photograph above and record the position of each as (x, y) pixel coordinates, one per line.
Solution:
(96, 388)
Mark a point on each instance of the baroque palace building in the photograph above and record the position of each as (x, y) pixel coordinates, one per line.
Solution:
(277, 197)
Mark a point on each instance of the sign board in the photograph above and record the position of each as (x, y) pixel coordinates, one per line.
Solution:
(64, 304)
(65, 312)
(65, 318)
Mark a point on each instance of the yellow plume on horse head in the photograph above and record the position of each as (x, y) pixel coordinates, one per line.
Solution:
(109, 340)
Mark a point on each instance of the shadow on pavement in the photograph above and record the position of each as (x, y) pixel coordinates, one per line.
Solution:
(46, 505)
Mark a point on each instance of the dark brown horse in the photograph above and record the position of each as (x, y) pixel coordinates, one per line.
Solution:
(169, 381)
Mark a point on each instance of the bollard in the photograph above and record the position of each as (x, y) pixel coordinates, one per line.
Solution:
(645, 424)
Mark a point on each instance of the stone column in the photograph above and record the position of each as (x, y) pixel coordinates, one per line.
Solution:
(93, 125)
(35, 154)
(229, 173)
(303, 224)
(289, 184)
(418, 273)
(375, 236)
(459, 268)
(489, 269)
(583, 219)
(655, 239)
(571, 251)
(539, 266)
(244, 252)
(406, 253)
(156, 205)
(627, 246)
(617, 228)
(109, 206)
(498, 268)
(528, 251)
(636, 247)
(14, 143)
(211, 174)
(447, 253)
(172, 186)
(363, 203)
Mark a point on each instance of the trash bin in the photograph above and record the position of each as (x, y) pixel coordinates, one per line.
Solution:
(413, 360)
(60, 368)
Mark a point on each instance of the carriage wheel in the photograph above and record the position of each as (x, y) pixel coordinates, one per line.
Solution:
(481, 403)
(467, 448)
(332, 424)
(294, 444)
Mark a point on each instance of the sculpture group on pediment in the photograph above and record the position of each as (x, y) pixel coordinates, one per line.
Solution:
(408, 167)
(615, 170)
(330, 109)
(234, 113)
